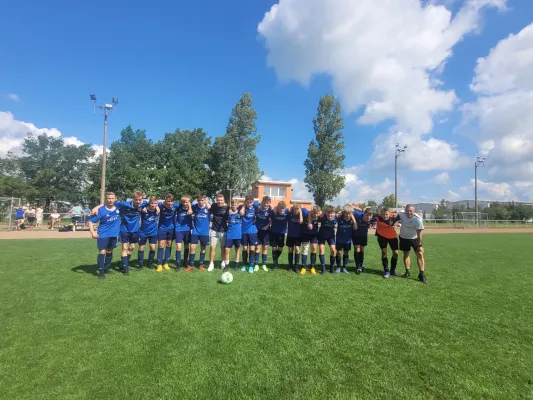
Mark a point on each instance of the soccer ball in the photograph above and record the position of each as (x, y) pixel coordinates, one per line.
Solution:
(227, 277)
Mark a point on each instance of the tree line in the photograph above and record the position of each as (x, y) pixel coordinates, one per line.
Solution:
(183, 161)
(497, 211)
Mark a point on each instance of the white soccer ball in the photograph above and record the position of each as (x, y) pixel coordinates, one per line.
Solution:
(227, 277)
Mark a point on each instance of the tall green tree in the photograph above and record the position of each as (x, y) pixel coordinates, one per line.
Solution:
(54, 171)
(372, 203)
(442, 211)
(131, 164)
(233, 163)
(181, 162)
(325, 156)
(388, 201)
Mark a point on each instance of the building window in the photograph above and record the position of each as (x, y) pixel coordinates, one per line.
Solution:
(275, 192)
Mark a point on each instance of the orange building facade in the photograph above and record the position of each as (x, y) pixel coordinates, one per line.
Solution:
(278, 191)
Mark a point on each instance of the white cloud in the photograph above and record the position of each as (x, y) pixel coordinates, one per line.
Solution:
(13, 97)
(382, 55)
(500, 121)
(452, 196)
(492, 190)
(441, 178)
(299, 190)
(13, 132)
(266, 178)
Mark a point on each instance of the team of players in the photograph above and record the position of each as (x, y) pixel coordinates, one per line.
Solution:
(253, 227)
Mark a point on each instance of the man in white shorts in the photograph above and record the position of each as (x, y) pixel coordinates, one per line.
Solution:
(411, 237)
(217, 233)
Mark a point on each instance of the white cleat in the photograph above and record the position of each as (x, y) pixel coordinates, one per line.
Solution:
(211, 267)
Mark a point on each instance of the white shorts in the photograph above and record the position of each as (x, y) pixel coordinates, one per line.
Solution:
(214, 237)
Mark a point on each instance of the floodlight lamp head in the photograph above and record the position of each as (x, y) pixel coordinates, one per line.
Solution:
(93, 97)
(109, 106)
(115, 100)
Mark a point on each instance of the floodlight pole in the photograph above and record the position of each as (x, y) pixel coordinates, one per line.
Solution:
(104, 110)
(479, 163)
(398, 152)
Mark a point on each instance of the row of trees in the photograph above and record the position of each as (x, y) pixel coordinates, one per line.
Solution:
(184, 161)
(496, 212)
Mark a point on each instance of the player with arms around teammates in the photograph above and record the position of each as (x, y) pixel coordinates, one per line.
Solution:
(345, 226)
(387, 237)
(200, 231)
(108, 218)
(263, 220)
(310, 237)
(217, 233)
(278, 228)
(183, 229)
(293, 236)
(364, 220)
(233, 235)
(249, 233)
(165, 231)
(411, 238)
(148, 232)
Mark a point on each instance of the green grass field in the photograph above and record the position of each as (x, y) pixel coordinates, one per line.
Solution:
(276, 335)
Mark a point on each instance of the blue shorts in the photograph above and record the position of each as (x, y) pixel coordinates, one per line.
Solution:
(183, 237)
(309, 237)
(203, 239)
(263, 237)
(330, 240)
(293, 241)
(277, 239)
(249, 239)
(106, 243)
(168, 235)
(152, 239)
(344, 246)
(129, 237)
(232, 242)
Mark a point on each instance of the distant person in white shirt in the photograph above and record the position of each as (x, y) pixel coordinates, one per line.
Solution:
(411, 237)
(55, 219)
(39, 215)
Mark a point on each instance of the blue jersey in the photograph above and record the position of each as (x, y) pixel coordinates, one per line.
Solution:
(262, 217)
(362, 225)
(279, 221)
(200, 220)
(344, 230)
(166, 216)
(109, 222)
(129, 215)
(234, 226)
(149, 222)
(183, 220)
(20, 214)
(248, 220)
(305, 225)
(294, 225)
(327, 227)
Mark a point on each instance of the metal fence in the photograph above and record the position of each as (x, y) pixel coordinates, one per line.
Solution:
(460, 224)
(8, 221)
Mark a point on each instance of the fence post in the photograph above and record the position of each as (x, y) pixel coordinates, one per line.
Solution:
(10, 215)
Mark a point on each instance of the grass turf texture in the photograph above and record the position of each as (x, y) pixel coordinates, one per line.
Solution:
(275, 335)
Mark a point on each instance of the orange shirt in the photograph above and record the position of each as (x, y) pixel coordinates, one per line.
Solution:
(385, 228)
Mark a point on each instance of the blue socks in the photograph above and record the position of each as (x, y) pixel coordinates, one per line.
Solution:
(101, 262)
(160, 252)
(265, 257)
(140, 257)
(313, 259)
(167, 255)
(125, 260)
(291, 257)
(192, 256)
(296, 259)
(345, 260)
(202, 258)
(178, 257)
(108, 258)
(322, 260)
(151, 257)
(304, 260)
(252, 258)
(244, 257)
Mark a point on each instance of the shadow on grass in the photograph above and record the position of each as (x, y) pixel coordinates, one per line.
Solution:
(93, 268)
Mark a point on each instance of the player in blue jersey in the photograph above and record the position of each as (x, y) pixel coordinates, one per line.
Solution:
(165, 231)
(364, 220)
(249, 233)
(217, 233)
(148, 232)
(108, 218)
(326, 234)
(263, 214)
(183, 230)
(310, 237)
(343, 242)
(278, 229)
(233, 235)
(20, 217)
(293, 236)
(200, 231)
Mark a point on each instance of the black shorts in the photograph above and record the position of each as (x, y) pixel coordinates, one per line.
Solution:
(407, 244)
(344, 246)
(360, 240)
(383, 242)
(277, 239)
(293, 241)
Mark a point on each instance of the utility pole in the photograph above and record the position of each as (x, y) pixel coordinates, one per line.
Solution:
(398, 152)
(105, 110)
(480, 162)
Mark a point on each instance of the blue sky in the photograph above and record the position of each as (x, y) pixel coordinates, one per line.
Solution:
(185, 64)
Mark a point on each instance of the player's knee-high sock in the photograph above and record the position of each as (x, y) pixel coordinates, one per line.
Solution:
(151, 256)
(338, 260)
(245, 257)
(140, 258)
(313, 259)
(125, 263)
(291, 259)
(265, 258)
(178, 257)
(101, 262)
(297, 259)
(252, 258)
(385, 262)
(192, 256)
(332, 262)
(236, 265)
(167, 255)
(275, 256)
(393, 263)
(361, 258)
(186, 253)
(160, 252)
(322, 260)
(108, 259)
(345, 260)
(202, 258)
(304, 260)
